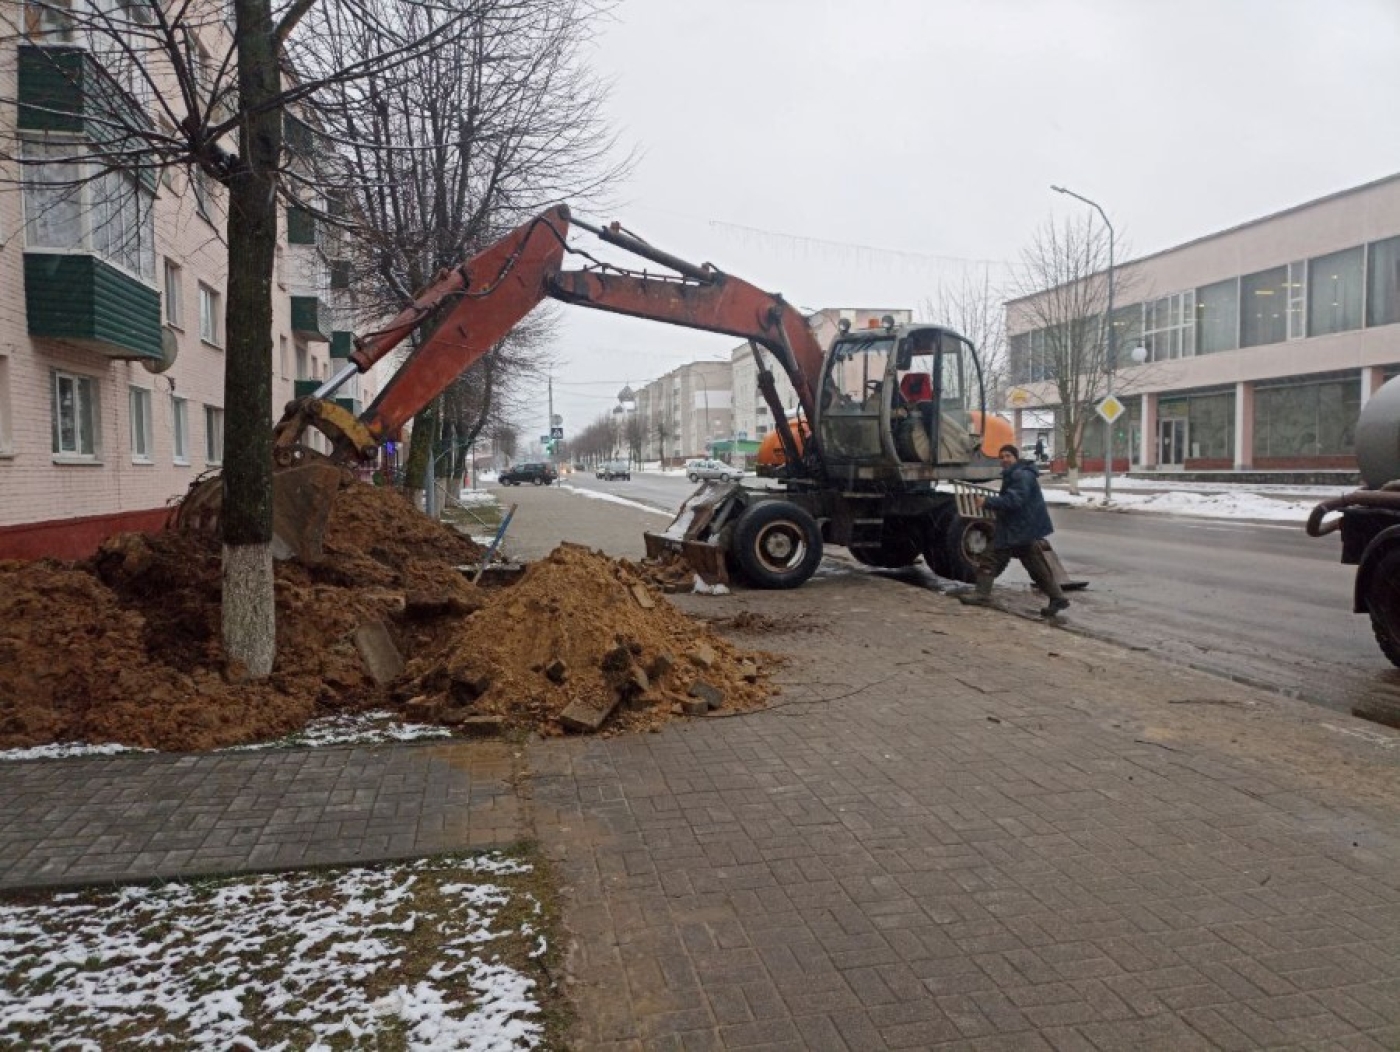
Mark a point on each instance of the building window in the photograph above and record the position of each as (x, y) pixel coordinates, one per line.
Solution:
(1264, 304)
(1383, 273)
(1127, 333)
(50, 20)
(180, 429)
(74, 416)
(1297, 299)
(282, 355)
(78, 206)
(1334, 292)
(1307, 420)
(303, 362)
(210, 315)
(199, 184)
(1168, 326)
(213, 435)
(340, 273)
(142, 433)
(1218, 317)
(174, 298)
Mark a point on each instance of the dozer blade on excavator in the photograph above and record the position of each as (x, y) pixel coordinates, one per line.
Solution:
(302, 496)
(695, 532)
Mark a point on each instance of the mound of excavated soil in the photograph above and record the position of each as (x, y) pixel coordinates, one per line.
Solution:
(581, 629)
(126, 647)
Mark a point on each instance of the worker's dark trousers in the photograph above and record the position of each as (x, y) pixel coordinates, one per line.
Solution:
(1032, 558)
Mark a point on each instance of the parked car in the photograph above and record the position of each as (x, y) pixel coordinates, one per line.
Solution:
(615, 469)
(695, 470)
(537, 474)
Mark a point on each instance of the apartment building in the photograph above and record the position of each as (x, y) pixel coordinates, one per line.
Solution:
(684, 412)
(112, 297)
(1251, 349)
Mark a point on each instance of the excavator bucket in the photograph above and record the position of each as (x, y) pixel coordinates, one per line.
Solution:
(302, 496)
(695, 532)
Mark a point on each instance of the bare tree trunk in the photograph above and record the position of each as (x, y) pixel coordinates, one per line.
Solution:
(249, 611)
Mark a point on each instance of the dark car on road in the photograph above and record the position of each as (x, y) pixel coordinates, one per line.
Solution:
(534, 473)
(615, 469)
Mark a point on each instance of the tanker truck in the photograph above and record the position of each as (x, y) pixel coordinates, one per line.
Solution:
(1369, 519)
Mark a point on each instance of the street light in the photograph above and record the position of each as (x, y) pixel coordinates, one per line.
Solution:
(1112, 342)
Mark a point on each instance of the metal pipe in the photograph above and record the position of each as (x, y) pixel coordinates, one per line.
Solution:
(614, 235)
(333, 383)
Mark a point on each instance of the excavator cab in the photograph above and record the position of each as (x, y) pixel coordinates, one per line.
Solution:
(903, 402)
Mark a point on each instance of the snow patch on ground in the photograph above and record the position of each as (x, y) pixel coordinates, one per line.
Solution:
(1234, 504)
(63, 750)
(614, 498)
(360, 728)
(314, 955)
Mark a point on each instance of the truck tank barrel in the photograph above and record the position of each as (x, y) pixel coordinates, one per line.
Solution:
(1378, 437)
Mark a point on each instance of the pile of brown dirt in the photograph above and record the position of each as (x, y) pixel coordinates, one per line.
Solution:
(577, 629)
(126, 647)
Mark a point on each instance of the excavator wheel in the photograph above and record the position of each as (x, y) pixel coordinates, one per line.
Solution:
(777, 544)
(897, 550)
(955, 545)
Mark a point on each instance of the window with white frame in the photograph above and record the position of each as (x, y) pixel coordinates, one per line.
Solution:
(1168, 326)
(49, 20)
(200, 186)
(73, 204)
(303, 362)
(282, 355)
(174, 295)
(1297, 299)
(142, 431)
(210, 315)
(74, 416)
(180, 429)
(213, 434)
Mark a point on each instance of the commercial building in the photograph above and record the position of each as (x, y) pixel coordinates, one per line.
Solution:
(1252, 349)
(112, 294)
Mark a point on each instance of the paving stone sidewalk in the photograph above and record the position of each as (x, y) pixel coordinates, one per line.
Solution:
(958, 829)
(140, 817)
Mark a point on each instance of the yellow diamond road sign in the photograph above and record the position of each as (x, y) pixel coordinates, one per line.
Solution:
(1111, 409)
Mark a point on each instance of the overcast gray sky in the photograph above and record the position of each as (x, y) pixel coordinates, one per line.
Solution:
(852, 152)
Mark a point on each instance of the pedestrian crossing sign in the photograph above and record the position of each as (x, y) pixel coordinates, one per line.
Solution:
(1111, 409)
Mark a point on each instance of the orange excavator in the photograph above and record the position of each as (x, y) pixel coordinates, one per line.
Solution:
(889, 421)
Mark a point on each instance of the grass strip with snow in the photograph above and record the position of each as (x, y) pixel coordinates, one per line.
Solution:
(437, 954)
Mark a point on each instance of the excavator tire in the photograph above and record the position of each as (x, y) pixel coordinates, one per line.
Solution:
(777, 544)
(897, 550)
(1383, 604)
(955, 544)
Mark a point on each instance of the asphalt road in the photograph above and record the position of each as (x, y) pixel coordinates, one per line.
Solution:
(1261, 603)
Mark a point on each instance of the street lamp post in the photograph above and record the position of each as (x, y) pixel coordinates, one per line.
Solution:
(1112, 343)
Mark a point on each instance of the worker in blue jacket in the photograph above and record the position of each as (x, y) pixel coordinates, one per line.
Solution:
(1021, 523)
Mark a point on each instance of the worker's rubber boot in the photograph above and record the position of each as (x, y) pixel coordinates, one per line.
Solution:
(981, 594)
(1055, 607)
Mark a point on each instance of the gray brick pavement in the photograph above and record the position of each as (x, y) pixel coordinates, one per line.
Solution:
(975, 844)
(138, 817)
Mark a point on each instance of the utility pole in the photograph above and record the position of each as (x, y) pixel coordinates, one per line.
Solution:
(549, 430)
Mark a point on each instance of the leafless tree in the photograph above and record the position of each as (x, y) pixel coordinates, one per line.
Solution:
(457, 146)
(1061, 285)
(205, 87)
(974, 305)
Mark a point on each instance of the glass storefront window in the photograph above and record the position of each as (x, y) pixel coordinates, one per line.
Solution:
(1383, 293)
(1217, 317)
(1334, 292)
(1307, 420)
(1264, 307)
